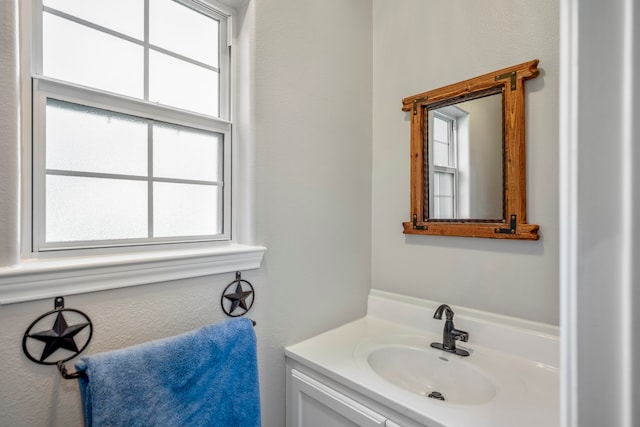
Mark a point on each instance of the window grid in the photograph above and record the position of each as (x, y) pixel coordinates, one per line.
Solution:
(49, 89)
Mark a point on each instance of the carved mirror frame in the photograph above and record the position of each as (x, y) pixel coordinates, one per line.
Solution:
(513, 225)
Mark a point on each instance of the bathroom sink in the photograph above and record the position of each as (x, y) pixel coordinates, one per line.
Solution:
(432, 373)
(385, 361)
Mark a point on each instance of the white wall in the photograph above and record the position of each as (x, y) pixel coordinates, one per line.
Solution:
(308, 79)
(313, 171)
(425, 44)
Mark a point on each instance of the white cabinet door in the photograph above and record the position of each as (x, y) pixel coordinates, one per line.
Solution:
(314, 404)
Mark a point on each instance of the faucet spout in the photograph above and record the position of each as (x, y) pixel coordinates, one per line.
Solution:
(450, 334)
(444, 308)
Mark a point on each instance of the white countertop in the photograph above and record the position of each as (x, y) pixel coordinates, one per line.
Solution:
(526, 379)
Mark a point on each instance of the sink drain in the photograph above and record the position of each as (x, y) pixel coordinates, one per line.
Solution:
(436, 395)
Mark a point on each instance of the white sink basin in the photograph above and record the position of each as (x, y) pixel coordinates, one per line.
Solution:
(432, 373)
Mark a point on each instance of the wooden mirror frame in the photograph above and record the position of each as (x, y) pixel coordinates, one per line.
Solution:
(513, 224)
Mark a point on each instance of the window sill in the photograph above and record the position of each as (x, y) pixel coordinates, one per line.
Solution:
(39, 279)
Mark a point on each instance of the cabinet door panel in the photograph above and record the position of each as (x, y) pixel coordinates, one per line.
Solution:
(317, 405)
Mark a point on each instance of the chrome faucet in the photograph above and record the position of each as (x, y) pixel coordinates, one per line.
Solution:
(450, 334)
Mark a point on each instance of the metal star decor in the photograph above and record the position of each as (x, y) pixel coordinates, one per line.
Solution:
(61, 336)
(239, 298)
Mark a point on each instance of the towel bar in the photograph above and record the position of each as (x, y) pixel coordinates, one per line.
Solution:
(69, 375)
(61, 336)
(75, 375)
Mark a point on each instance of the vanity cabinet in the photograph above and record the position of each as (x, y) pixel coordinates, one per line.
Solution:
(316, 401)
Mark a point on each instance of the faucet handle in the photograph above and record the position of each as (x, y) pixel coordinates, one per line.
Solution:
(460, 335)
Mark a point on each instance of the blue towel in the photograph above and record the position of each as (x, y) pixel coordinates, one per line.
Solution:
(206, 377)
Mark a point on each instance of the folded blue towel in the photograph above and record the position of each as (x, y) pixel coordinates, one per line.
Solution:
(206, 377)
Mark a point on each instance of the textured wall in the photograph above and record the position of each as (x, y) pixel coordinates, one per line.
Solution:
(425, 44)
(9, 157)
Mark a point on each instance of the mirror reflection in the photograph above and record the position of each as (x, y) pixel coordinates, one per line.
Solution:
(465, 159)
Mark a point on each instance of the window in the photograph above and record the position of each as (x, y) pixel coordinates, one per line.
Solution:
(126, 161)
(131, 129)
(445, 171)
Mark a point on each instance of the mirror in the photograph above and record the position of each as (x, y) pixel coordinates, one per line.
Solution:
(468, 157)
(465, 148)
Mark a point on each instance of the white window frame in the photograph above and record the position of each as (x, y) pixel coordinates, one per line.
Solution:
(450, 169)
(39, 275)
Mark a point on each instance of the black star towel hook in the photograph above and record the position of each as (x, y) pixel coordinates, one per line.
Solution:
(60, 339)
(241, 297)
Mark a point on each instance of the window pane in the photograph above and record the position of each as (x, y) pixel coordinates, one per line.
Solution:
(123, 16)
(80, 138)
(445, 206)
(181, 84)
(79, 209)
(185, 209)
(445, 184)
(79, 54)
(440, 130)
(184, 153)
(440, 154)
(435, 209)
(180, 29)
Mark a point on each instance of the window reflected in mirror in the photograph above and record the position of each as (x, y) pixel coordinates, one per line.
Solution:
(465, 160)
